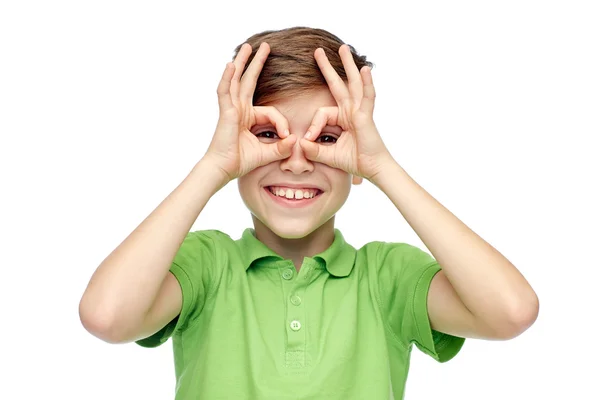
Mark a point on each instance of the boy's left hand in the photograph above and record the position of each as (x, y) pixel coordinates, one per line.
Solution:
(359, 150)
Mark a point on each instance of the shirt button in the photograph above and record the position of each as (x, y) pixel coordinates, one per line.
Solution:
(287, 274)
(295, 325)
(296, 300)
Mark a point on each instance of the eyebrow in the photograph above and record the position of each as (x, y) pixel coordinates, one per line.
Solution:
(334, 128)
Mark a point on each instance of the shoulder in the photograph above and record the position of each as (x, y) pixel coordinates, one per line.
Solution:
(397, 255)
(395, 266)
(213, 234)
(209, 238)
(201, 247)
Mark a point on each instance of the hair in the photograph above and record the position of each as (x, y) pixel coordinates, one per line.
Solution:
(291, 68)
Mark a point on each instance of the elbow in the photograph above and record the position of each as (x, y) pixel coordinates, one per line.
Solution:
(521, 317)
(97, 324)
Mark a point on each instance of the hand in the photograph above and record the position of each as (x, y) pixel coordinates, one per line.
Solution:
(234, 148)
(359, 150)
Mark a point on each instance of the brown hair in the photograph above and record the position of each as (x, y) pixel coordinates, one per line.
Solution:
(291, 68)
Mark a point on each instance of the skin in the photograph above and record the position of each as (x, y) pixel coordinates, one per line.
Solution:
(478, 293)
(295, 233)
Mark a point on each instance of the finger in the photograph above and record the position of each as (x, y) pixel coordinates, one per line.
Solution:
(315, 152)
(335, 83)
(223, 94)
(271, 115)
(323, 116)
(368, 101)
(240, 62)
(355, 84)
(250, 77)
(278, 150)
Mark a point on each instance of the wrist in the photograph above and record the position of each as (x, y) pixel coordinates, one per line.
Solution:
(385, 165)
(209, 172)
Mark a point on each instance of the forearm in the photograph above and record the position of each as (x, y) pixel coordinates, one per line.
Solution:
(488, 284)
(127, 282)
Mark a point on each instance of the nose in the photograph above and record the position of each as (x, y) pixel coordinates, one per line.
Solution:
(297, 163)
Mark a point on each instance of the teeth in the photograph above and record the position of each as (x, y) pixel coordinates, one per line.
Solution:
(290, 193)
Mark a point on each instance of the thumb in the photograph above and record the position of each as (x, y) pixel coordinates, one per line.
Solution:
(315, 152)
(279, 150)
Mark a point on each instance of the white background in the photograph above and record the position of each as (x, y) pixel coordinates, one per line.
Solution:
(492, 107)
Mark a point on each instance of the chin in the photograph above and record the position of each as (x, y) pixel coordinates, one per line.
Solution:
(293, 230)
(290, 228)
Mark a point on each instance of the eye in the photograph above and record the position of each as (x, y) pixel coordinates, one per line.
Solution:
(267, 134)
(326, 139)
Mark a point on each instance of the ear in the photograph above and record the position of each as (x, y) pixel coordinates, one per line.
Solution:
(356, 180)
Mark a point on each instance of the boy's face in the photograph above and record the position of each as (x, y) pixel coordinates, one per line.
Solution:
(296, 176)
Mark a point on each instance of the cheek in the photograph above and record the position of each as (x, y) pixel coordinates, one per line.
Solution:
(243, 183)
(342, 182)
(248, 185)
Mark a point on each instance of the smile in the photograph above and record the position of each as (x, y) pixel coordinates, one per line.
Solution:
(293, 197)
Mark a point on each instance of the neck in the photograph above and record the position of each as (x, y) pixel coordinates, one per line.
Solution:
(315, 242)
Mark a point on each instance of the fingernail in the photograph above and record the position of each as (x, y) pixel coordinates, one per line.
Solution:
(307, 134)
(286, 133)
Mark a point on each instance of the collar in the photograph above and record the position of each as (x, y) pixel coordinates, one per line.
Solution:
(338, 258)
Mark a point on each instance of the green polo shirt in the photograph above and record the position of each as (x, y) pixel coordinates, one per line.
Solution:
(252, 327)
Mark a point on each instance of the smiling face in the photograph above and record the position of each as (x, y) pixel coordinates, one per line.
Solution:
(294, 197)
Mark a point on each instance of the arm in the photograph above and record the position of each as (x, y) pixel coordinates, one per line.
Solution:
(128, 295)
(478, 293)
(125, 285)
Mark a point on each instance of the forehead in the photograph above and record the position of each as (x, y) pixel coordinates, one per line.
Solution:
(300, 109)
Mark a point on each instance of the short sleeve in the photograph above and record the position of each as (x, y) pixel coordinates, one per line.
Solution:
(193, 267)
(405, 275)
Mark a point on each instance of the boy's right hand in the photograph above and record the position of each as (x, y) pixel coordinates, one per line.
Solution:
(234, 148)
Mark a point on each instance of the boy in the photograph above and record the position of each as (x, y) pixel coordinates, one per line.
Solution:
(290, 310)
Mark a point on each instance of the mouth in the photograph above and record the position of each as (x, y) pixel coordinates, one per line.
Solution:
(293, 197)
